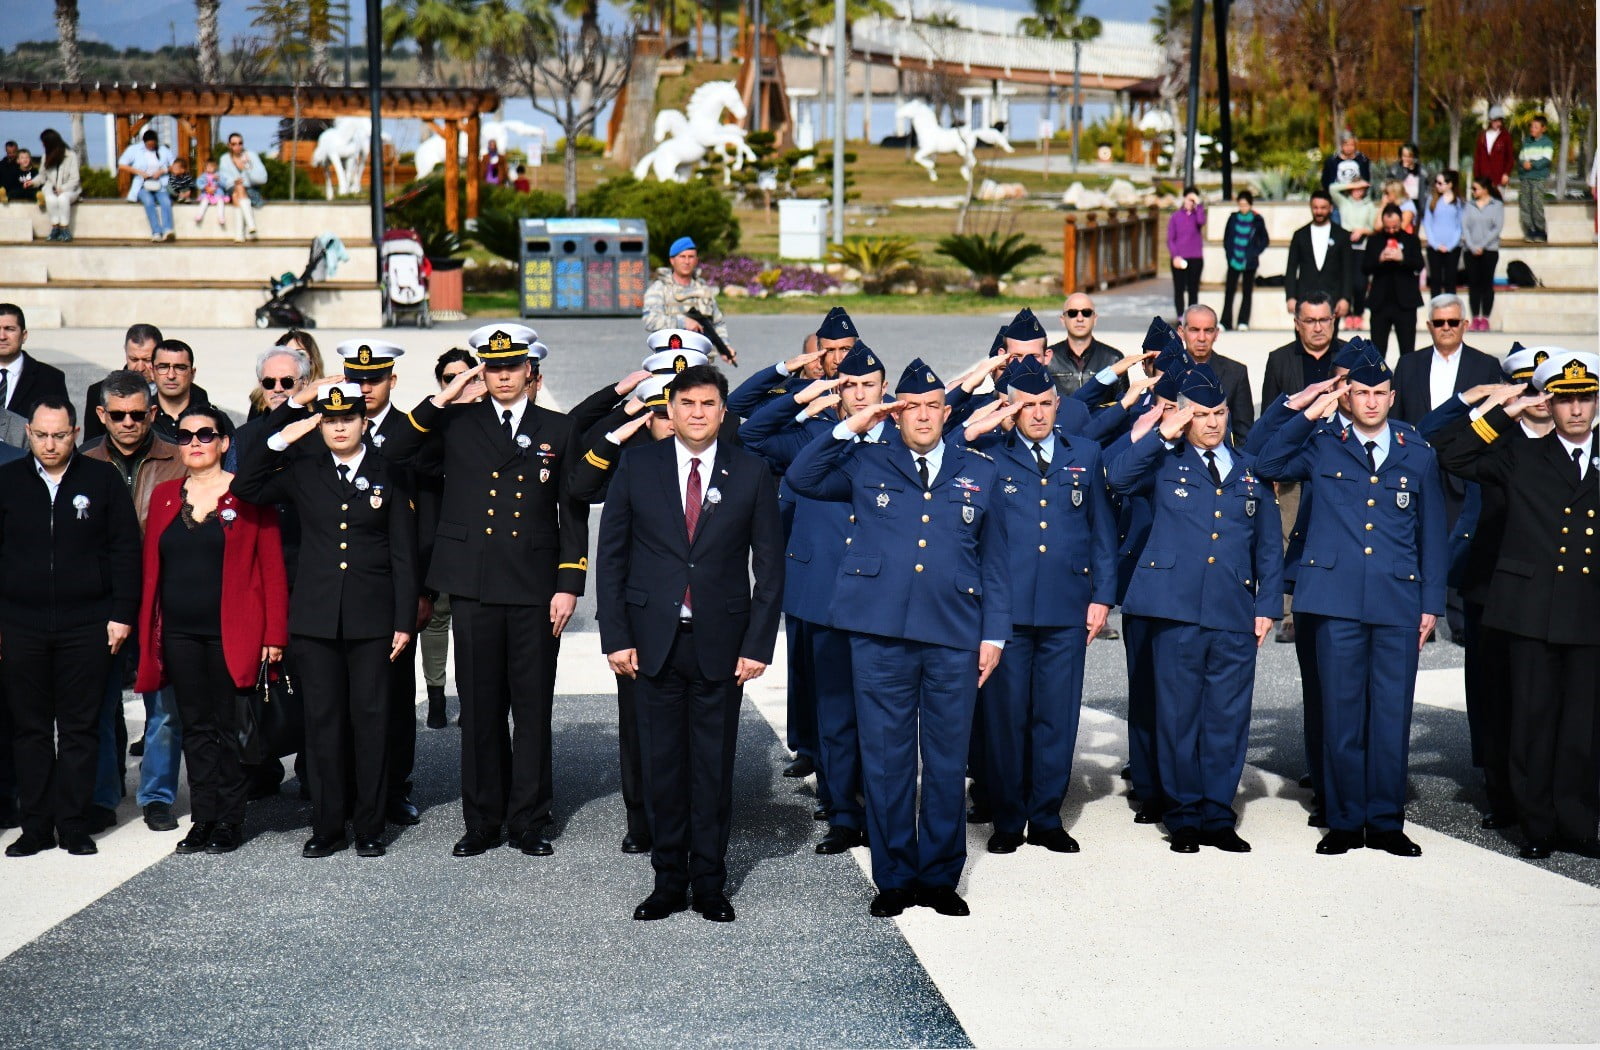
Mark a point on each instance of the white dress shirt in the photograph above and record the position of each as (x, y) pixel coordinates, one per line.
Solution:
(706, 458)
(53, 484)
(517, 408)
(1568, 448)
(13, 373)
(374, 422)
(1380, 451)
(1442, 372)
(353, 461)
(1321, 237)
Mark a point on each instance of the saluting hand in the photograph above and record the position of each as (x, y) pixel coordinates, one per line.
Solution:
(992, 417)
(454, 388)
(1124, 365)
(300, 428)
(1326, 404)
(816, 388)
(398, 646)
(821, 405)
(562, 606)
(308, 393)
(1520, 404)
(1175, 421)
(987, 368)
(116, 634)
(988, 660)
(867, 418)
(796, 364)
(629, 382)
(624, 663)
(631, 427)
(1136, 389)
(1147, 422)
(1299, 402)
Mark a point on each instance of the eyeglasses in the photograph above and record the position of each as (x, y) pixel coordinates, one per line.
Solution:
(117, 415)
(278, 382)
(205, 435)
(1086, 312)
(175, 367)
(39, 435)
(1446, 322)
(1314, 322)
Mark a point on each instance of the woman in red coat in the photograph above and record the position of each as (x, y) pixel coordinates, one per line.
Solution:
(216, 604)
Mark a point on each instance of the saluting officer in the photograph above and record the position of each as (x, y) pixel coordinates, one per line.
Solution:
(1210, 581)
(1063, 565)
(926, 592)
(1373, 573)
(1545, 593)
(833, 339)
(354, 606)
(510, 550)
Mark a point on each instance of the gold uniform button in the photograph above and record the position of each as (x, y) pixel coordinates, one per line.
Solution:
(1563, 530)
(488, 532)
(1586, 570)
(847, 541)
(919, 568)
(1372, 503)
(344, 506)
(922, 543)
(971, 591)
(1044, 524)
(1216, 514)
(491, 512)
(519, 477)
(342, 565)
(492, 492)
(924, 519)
(1211, 561)
(1369, 526)
(1214, 535)
(1561, 550)
(852, 519)
(1044, 503)
(1561, 568)
(519, 495)
(1366, 550)
(1410, 577)
(1588, 532)
(1219, 492)
(1568, 510)
(344, 546)
(1044, 481)
(927, 495)
(516, 514)
(513, 535)
(494, 473)
(1374, 479)
(1041, 548)
(344, 525)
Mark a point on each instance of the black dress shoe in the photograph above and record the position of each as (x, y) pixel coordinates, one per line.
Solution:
(27, 845)
(1582, 847)
(1186, 840)
(225, 838)
(79, 845)
(1225, 839)
(1127, 773)
(101, 819)
(1150, 813)
(714, 907)
(1056, 840)
(1005, 841)
(802, 766)
(402, 811)
(1495, 820)
(476, 842)
(263, 786)
(632, 843)
(436, 713)
(1337, 842)
(821, 812)
(158, 817)
(980, 813)
(943, 899)
(659, 905)
(889, 903)
(1317, 818)
(1395, 842)
(195, 841)
(533, 843)
(319, 846)
(136, 749)
(1536, 849)
(839, 839)
(372, 847)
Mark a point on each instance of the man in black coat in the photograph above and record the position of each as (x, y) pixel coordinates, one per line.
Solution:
(1199, 338)
(1424, 381)
(1320, 259)
(23, 378)
(1545, 594)
(1392, 259)
(139, 355)
(511, 550)
(1078, 357)
(69, 595)
(687, 523)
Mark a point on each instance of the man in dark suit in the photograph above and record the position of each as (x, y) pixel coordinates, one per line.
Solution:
(139, 355)
(23, 378)
(1320, 259)
(1391, 260)
(69, 593)
(1545, 594)
(678, 610)
(1199, 338)
(511, 550)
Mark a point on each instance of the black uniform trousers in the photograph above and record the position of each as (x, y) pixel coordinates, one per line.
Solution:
(505, 665)
(1554, 734)
(688, 727)
(403, 720)
(346, 684)
(207, 701)
(632, 763)
(55, 683)
(1488, 687)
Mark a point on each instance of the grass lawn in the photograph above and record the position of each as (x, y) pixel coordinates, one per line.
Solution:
(504, 304)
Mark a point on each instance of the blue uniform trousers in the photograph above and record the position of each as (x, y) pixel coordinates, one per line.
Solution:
(1030, 725)
(1142, 769)
(802, 715)
(914, 699)
(1368, 675)
(1205, 680)
(1305, 654)
(838, 743)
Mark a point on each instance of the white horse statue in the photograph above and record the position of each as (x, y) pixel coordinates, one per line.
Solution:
(430, 154)
(682, 141)
(344, 150)
(932, 139)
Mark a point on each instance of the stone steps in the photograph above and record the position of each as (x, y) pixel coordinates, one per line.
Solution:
(1569, 223)
(188, 265)
(1546, 311)
(92, 220)
(67, 304)
(1556, 265)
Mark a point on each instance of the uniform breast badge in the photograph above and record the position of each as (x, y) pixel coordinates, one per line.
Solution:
(883, 500)
(968, 513)
(1402, 500)
(1077, 497)
(376, 499)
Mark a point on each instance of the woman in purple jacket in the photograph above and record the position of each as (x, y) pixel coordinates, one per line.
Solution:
(1186, 246)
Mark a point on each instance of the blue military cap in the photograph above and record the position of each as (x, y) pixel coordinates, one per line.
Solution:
(1024, 326)
(1155, 337)
(862, 360)
(681, 245)
(998, 347)
(1355, 353)
(918, 378)
(1170, 385)
(1371, 371)
(1172, 356)
(1201, 385)
(1026, 376)
(837, 325)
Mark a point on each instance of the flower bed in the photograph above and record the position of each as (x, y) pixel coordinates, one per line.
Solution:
(758, 278)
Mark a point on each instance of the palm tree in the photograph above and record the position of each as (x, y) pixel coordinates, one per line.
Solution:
(438, 28)
(1060, 20)
(72, 67)
(208, 47)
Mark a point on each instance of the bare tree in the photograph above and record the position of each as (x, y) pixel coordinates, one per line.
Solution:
(208, 46)
(1330, 41)
(571, 75)
(1561, 40)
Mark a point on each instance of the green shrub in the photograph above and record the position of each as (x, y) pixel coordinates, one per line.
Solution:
(97, 182)
(879, 259)
(989, 257)
(670, 210)
(588, 146)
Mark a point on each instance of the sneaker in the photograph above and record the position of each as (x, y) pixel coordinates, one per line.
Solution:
(1244, 328)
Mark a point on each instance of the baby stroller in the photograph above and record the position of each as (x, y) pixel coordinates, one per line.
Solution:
(279, 311)
(405, 278)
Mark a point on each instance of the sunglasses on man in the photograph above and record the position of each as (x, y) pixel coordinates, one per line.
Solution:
(1446, 322)
(117, 415)
(278, 383)
(1086, 312)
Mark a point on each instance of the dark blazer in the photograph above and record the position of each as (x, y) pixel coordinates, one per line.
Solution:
(1412, 398)
(73, 563)
(1394, 284)
(1543, 587)
(509, 530)
(37, 380)
(255, 611)
(1235, 379)
(357, 576)
(1337, 276)
(644, 560)
(1285, 372)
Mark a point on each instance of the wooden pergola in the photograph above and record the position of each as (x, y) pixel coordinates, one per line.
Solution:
(197, 107)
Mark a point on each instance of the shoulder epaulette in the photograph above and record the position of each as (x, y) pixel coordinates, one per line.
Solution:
(975, 452)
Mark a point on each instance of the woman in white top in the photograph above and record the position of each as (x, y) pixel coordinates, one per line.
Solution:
(60, 184)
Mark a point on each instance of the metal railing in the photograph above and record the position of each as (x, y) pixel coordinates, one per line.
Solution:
(1103, 250)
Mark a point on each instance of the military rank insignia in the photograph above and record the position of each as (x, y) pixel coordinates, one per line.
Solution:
(376, 499)
(1250, 508)
(883, 500)
(1011, 490)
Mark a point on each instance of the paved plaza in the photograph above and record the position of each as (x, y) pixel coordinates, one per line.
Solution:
(1125, 943)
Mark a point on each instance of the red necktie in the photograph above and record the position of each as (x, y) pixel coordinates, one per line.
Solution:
(691, 511)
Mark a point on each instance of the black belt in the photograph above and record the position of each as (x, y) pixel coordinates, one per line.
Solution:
(685, 625)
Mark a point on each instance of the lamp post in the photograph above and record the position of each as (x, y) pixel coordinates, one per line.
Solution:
(1416, 67)
(374, 103)
(1192, 121)
(841, 69)
(1077, 97)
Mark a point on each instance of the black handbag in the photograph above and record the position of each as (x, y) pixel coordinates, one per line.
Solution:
(271, 717)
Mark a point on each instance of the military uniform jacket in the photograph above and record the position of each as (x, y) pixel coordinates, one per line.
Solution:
(1061, 531)
(926, 566)
(509, 531)
(425, 491)
(1214, 556)
(761, 388)
(357, 576)
(1376, 547)
(1546, 582)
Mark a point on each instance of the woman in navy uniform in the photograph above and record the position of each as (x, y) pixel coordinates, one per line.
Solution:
(354, 605)
(1210, 581)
